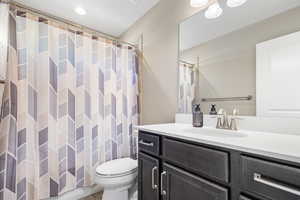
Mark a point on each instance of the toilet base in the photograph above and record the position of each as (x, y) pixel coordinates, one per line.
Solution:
(133, 193)
(115, 195)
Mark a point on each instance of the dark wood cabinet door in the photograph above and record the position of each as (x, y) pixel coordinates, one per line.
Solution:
(180, 185)
(148, 177)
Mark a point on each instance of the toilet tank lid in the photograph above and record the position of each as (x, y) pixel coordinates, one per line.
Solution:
(118, 166)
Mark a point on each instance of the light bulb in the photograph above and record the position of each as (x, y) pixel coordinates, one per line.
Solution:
(213, 11)
(235, 3)
(199, 3)
(80, 11)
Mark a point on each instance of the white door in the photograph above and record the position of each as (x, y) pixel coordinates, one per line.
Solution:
(278, 77)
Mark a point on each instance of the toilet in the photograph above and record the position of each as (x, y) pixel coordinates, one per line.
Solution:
(118, 177)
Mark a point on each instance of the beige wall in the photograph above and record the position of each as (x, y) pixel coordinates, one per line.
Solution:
(159, 28)
(159, 75)
(228, 64)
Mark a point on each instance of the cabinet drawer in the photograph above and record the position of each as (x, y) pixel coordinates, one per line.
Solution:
(271, 180)
(149, 143)
(201, 160)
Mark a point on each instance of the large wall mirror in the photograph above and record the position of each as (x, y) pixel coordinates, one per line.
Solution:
(218, 57)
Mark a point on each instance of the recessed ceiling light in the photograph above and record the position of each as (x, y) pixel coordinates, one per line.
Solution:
(199, 3)
(214, 11)
(80, 11)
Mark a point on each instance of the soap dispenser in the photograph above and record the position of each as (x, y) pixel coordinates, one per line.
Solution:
(197, 116)
(213, 110)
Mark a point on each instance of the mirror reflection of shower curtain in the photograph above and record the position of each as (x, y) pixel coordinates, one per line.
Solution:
(70, 104)
(186, 88)
(7, 43)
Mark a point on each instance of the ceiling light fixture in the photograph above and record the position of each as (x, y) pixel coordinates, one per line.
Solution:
(80, 11)
(235, 3)
(199, 3)
(213, 11)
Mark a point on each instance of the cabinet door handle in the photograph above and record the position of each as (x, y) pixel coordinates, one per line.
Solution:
(258, 178)
(154, 186)
(162, 191)
(149, 144)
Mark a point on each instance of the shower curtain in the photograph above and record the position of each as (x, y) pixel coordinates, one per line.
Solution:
(4, 44)
(186, 88)
(70, 103)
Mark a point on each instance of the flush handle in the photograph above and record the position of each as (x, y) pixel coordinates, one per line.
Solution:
(258, 178)
(154, 186)
(162, 191)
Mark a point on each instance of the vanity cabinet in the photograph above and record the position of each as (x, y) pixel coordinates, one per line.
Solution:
(176, 169)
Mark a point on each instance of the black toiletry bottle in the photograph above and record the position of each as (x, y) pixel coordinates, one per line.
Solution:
(197, 116)
(213, 110)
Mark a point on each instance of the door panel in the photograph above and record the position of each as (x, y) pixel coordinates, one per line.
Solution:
(148, 177)
(180, 185)
(277, 78)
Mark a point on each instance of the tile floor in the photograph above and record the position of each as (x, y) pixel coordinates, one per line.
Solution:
(97, 196)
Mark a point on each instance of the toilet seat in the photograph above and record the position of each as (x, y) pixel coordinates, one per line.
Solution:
(117, 168)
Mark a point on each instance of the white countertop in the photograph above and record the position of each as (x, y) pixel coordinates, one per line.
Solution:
(276, 145)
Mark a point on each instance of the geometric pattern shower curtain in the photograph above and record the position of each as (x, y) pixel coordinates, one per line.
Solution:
(70, 104)
(186, 88)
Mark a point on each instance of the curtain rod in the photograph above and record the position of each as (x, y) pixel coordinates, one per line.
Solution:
(64, 21)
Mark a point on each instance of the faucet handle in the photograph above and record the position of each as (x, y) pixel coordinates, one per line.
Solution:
(233, 121)
(235, 112)
(221, 111)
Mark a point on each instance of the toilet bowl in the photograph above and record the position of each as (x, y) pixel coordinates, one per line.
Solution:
(117, 177)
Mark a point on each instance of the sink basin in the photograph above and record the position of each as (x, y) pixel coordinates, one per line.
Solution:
(212, 132)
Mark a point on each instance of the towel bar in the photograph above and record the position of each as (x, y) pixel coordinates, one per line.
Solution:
(248, 98)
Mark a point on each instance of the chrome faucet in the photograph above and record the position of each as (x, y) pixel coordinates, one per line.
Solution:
(233, 121)
(223, 121)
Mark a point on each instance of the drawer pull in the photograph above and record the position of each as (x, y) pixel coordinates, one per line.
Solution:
(154, 186)
(162, 191)
(149, 144)
(258, 178)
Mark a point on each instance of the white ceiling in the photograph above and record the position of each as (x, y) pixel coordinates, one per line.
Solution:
(112, 17)
(197, 29)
